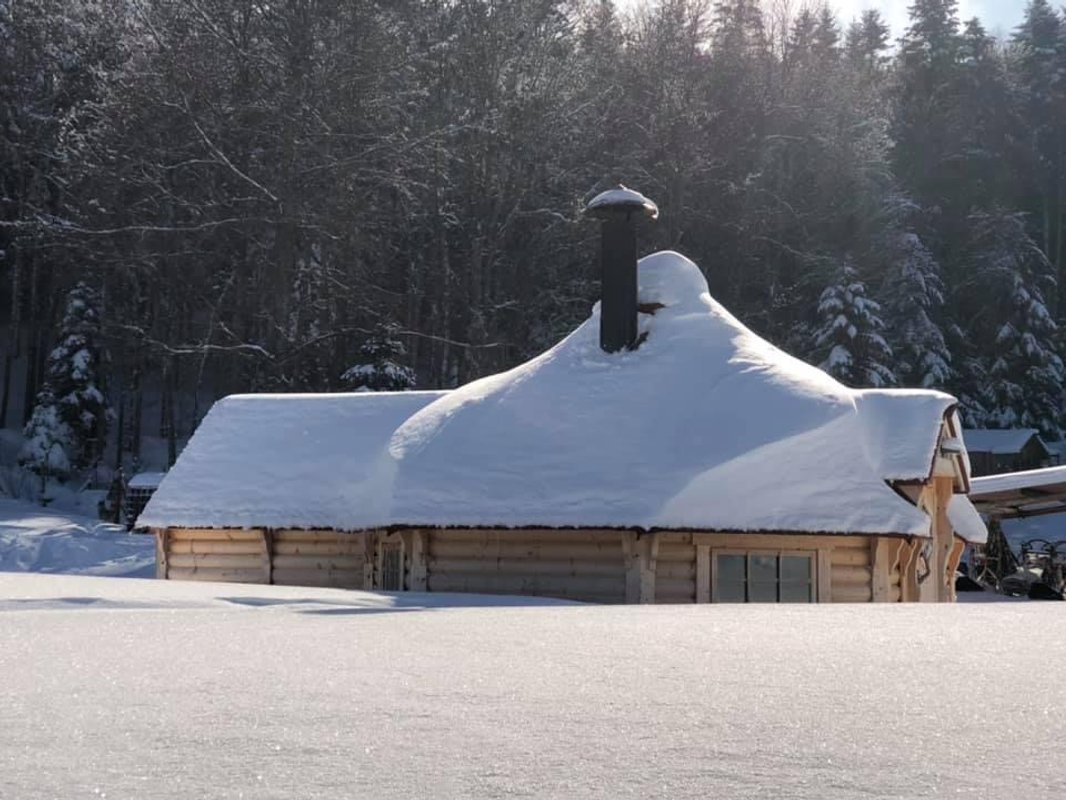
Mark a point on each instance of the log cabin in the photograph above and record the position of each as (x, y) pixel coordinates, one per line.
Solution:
(660, 453)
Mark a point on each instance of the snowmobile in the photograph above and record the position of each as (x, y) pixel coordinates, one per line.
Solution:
(1041, 572)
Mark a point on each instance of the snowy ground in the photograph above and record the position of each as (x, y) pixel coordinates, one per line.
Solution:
(131, 689)
(36, 539)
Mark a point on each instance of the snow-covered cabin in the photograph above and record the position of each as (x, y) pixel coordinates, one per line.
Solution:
(704, 465)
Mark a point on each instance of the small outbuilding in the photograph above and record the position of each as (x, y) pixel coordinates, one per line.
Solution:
(994, 452)
(662, 452)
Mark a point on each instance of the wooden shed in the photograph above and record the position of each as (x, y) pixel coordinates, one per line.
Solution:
(994, 452)
(703, 466)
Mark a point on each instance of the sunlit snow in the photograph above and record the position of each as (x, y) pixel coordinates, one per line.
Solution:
(129, 689)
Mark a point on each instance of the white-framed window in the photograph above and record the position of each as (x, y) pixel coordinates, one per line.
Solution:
(764, 576)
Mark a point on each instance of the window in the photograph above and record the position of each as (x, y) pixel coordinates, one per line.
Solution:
(763, 577)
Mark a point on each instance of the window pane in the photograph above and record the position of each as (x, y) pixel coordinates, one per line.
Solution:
(731, 569)
(731, 579)
(796, 593)
(765, 592)
(763, 569)
(731, 592)
(795, 568)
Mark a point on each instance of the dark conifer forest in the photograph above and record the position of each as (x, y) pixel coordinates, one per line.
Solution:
(200, 197)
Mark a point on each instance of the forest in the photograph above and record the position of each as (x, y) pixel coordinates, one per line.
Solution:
(200, 197)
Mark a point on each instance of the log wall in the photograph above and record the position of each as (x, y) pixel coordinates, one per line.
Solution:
(572, 565)
(294, 557)
(591, 565)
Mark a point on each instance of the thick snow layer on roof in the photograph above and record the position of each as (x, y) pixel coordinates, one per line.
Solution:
(146, 480)
(998, 442)
(286, 460)
(706, 425)
(966, 521)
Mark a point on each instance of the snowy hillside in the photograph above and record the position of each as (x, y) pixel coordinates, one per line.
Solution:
(126, 688)
(36, 539)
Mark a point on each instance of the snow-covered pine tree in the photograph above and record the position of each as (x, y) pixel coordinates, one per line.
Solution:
(848, 340)
(1025, 369)
(74, 375)
(914, 297)
(48, 439)
(378, 369)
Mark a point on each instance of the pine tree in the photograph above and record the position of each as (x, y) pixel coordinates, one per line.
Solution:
(74, 375)
(849, 337)
(378, 369)
(924, 131)
(1039, 67)
(49, 439)
(866, 42)
(1025, 369)
(914, 299)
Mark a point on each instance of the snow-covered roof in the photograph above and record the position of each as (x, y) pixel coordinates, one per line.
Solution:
(146, 480)
(999, 442)
(283, 460)
(966, 521)
(704, 426)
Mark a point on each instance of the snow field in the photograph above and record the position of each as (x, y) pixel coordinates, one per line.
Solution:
(36, 539)
(126, 688)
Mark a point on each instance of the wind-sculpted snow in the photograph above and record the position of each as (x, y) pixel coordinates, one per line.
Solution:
(35, 539)
(705, 425)
(130, 689)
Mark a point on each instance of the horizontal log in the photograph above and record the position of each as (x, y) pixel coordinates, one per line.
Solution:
(211, 547)
(666, 570)
(288, 535)
(674, 539)
(605, 598)
(318, 548)
(849, 557)
(586, 551)
(523, 566)
(516, 584)
(779, 541)
(218, 575)
(318, 562)
(852, 594)
(213, 561)
(215, 535)
(525, 536)
(860, 576)
(346, 579)
(676, 553)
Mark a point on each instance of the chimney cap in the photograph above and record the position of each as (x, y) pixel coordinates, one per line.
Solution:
(621, 200)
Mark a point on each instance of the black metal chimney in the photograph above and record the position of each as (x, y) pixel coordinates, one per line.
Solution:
(619, 209)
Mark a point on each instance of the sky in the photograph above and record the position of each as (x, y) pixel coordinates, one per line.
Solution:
(1000, 17)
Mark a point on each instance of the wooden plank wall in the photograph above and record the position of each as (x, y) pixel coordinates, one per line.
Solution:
(675, 569)
(572, 565)
(319, 558)
(293, 557)
(578, 565)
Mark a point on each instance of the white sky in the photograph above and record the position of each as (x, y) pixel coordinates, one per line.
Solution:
(1000, 17)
